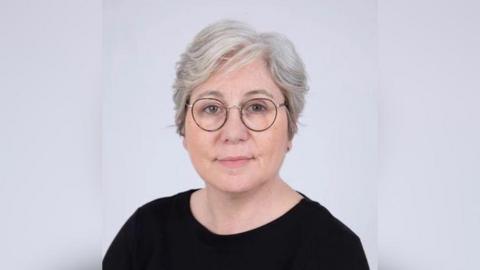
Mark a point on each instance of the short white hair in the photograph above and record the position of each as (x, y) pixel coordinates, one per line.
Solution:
(229, 44)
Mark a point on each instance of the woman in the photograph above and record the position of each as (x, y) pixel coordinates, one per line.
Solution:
(238, 96)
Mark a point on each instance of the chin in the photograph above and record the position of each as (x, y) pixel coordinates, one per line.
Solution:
(234, 184)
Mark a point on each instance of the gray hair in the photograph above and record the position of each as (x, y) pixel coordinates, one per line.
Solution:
(228, 44)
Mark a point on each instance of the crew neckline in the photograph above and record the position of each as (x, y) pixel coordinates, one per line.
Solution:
(213, 239)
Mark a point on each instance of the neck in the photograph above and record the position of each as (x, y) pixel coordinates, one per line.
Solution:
(230, 213)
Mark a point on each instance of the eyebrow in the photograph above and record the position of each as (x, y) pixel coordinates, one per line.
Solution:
(249, 93)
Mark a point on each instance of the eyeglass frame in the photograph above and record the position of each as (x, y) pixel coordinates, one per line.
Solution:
(240, 108)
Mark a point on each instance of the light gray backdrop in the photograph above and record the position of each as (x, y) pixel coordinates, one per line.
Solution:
(50, 98)
(50, 128)
(429, 191)
(334, 157)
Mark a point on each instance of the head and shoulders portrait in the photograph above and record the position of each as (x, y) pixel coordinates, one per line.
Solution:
(238, 97)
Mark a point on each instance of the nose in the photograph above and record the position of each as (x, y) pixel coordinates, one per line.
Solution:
(234, 131)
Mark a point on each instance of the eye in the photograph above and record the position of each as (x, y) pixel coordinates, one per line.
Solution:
(256, 108)
(211, 109)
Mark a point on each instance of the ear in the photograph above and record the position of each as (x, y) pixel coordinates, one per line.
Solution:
(289, 146)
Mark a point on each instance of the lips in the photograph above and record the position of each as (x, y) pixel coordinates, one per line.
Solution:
(234, 158)
(234, 161)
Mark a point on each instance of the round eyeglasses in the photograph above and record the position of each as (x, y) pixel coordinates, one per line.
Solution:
(257, 114)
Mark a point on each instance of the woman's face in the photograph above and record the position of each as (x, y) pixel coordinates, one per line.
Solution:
(255, 157)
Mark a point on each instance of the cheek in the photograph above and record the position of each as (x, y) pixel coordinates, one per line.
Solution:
(274, 142)
(195, 141)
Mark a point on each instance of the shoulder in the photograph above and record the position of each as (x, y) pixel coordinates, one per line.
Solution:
(163, 208)
(147, 226)
(323, 224)
(329, 241)
(143, 232)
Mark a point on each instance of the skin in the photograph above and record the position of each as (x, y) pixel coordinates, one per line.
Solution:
(239, 199)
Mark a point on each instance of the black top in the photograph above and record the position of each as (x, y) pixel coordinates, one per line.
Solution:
(164, 235)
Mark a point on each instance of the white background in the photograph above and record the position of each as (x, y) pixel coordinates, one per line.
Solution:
(429, 192)
(334, 156)
(50, 125)
(50, 98)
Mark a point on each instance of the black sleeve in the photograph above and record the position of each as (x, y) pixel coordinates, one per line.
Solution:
(339, 253)
(121, 253)
(353, 255)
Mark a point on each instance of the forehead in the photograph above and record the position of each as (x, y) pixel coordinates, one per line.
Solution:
(249, 80)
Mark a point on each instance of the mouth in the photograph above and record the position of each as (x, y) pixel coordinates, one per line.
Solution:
(233, 162)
